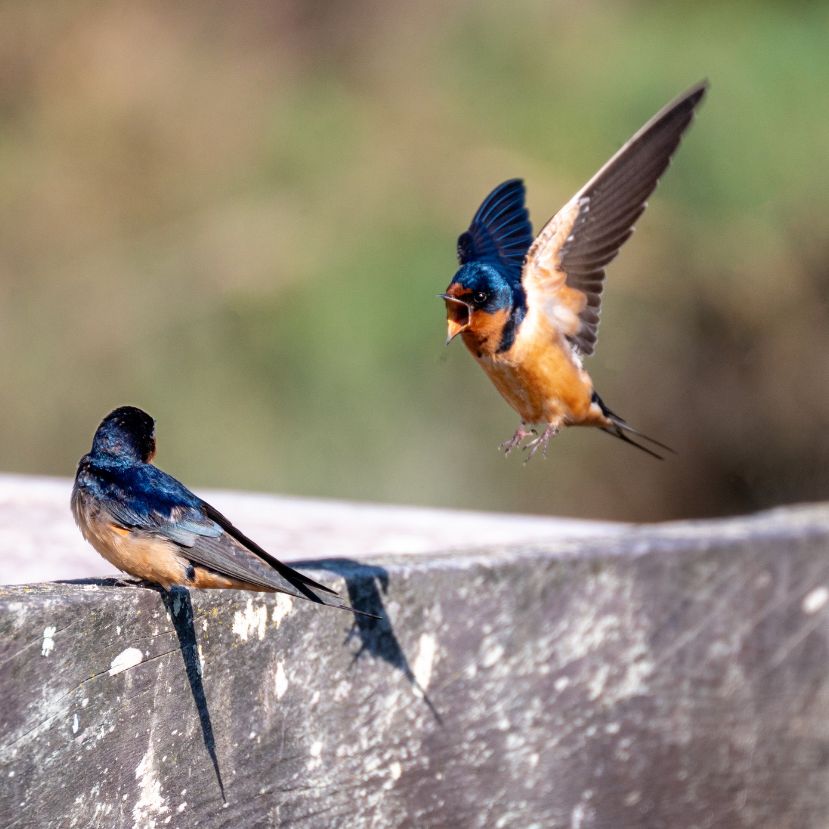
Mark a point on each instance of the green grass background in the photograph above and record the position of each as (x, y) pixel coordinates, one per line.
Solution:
(238, 216)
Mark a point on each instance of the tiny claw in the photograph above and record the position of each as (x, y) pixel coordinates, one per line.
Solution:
(541, 442)
(520, 433)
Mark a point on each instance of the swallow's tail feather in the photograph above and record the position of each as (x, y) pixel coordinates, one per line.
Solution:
(329, 601)
(619, 428)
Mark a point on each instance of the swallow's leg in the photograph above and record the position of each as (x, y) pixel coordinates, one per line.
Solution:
(520, 433)
(541, 441)
(123, 581)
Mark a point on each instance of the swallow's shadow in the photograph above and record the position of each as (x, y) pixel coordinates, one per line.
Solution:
(178, 605)
(366, 585)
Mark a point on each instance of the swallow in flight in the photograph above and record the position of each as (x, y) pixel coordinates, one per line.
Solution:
(149, 525)
(528, 309)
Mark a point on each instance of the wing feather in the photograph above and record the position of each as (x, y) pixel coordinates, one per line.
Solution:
(286, 572)
(500, 231)
(564, 269)
(153, 502)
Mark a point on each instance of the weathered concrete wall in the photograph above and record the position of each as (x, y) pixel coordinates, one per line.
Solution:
(669, 676)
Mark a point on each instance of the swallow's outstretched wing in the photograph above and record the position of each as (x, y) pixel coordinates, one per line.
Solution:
(151, 501)
(500, 232)
(564, 270)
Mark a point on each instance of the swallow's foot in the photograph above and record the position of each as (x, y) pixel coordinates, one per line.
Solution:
(122, 581)
(540, 443)
(520, 433)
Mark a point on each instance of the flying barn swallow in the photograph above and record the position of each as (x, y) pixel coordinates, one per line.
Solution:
(148, 524)
(528, 309)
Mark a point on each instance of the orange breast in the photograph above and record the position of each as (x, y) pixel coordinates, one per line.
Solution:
(540, 377)
(141, 555)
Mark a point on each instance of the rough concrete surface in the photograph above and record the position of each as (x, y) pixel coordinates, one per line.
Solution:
(665, 676)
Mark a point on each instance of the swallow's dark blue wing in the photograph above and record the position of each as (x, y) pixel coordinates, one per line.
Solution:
(500, 232)
(146, 499)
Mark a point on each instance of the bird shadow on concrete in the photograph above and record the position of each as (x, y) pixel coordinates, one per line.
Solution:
(180, 609)
(366, 585)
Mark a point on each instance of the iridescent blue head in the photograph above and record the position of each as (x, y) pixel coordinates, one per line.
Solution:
(485, 297)
(477, 288)
(126, 434)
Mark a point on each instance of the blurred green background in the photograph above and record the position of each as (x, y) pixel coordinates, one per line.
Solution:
(237, 216)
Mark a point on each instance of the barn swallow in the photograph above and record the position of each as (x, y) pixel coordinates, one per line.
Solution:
(528, 309)
(149, 525)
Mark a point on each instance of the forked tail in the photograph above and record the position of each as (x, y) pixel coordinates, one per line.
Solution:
(620, 429)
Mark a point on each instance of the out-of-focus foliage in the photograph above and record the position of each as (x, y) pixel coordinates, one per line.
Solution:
(237, 216)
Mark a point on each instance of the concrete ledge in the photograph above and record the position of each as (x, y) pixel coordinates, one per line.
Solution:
(40, 542)
(667, 676)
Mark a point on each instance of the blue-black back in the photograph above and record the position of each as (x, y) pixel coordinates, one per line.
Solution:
(136, 493)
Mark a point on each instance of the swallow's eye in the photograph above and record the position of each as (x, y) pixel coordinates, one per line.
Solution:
(480, 297)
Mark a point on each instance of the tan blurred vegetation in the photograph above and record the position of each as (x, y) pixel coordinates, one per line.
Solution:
(237, 216)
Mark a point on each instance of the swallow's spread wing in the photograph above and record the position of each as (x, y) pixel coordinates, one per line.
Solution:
(151, 501)
(500, 232)
(564, 271)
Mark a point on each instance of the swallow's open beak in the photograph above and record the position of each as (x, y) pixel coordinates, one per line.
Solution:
(457, 316)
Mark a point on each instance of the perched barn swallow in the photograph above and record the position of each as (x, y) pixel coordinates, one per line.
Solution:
(528, 310)
(148, 524)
